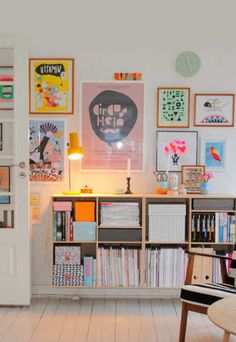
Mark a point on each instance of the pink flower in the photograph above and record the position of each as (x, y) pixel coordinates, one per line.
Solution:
(205, 177)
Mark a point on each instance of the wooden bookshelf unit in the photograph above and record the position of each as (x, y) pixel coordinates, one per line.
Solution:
(135, 241)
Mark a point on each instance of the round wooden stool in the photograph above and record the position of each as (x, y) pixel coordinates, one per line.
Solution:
(223, 314)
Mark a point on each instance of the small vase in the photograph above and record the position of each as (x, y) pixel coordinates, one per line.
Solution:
(205, 188)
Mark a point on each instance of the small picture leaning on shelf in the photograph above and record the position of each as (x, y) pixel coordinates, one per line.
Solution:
(191, 177)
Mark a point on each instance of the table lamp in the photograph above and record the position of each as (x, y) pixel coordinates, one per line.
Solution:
(74, 152)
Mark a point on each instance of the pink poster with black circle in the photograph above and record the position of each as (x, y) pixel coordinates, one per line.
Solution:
(112, 126)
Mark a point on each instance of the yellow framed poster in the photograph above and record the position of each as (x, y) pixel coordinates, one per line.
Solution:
(51, 86)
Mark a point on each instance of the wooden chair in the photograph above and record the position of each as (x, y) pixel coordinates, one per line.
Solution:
(198, 297)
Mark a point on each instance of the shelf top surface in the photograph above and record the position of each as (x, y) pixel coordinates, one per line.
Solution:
(142, 195)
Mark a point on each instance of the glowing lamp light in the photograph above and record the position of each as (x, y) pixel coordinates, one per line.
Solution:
(74, 151)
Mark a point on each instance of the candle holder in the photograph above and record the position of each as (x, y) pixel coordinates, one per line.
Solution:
(128, 191)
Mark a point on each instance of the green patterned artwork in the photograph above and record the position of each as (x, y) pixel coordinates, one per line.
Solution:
(173, 107)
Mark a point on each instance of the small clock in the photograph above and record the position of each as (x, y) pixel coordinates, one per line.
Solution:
(187, 63)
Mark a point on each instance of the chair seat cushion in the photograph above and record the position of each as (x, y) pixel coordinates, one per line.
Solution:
(206, 294)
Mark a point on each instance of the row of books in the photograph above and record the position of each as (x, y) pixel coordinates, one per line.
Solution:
(68, 269)
(165, 267)
(118, 267)
(62, 226)
(215, 227)
(120, 214)
(6, 218)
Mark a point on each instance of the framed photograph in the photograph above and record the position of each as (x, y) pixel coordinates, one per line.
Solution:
(191, 177)
(6, 87)
(51, 86)
(214, 154)
(46, 150)
(173, 107)
(213, 110)
(4, 184)
(176, 148)
(112, 126)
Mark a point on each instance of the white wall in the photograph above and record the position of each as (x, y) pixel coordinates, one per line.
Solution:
(109, 36)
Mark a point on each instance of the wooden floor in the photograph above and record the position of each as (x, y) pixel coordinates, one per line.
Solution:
(98, 320)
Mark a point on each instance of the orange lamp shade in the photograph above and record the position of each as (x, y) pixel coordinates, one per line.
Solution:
(74, 151)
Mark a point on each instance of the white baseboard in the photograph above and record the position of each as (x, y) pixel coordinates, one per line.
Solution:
(44, 290)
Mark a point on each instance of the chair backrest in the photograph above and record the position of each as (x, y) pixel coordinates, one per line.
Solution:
(232, 270)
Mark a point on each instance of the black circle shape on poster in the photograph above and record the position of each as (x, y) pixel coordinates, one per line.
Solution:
(112, 115)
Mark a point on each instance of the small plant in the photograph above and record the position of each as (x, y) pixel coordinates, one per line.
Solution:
(205, 177)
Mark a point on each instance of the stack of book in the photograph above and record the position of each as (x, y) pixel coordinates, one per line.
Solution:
(213, 227)
(118, 267)
(120, 214)
(6, 218)
(165, 267)
(62, 221)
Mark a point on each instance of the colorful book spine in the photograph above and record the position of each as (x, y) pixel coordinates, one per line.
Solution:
(88, 271)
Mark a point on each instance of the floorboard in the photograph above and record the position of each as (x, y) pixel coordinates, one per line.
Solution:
(103, 320)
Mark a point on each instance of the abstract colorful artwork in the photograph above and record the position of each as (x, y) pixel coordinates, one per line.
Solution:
(176, 148)
(128, 76)
(51, 86)
(6, 87)
(214, 110)
(46, 150)
(173, 107)
(112, 125)
(214, 154)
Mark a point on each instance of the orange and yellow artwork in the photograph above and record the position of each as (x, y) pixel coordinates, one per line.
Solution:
(51, 86)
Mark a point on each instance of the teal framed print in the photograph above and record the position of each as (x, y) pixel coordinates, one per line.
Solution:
(214, 154)
(173, 107)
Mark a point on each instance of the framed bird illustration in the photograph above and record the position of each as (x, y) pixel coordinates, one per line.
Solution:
(214, 154)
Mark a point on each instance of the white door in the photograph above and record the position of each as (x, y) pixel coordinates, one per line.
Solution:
(14, 196)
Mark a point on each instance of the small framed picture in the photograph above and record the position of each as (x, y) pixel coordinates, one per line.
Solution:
(4, 183)
(176, 148)
(47, 151)
(191, 177)
(214, 110)
(6, 87)
(214, 154)
(173, 107)
(51, 86)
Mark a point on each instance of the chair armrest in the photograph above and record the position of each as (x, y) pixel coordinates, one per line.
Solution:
(217, 256)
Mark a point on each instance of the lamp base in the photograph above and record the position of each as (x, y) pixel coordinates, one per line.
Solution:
(71, 192)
